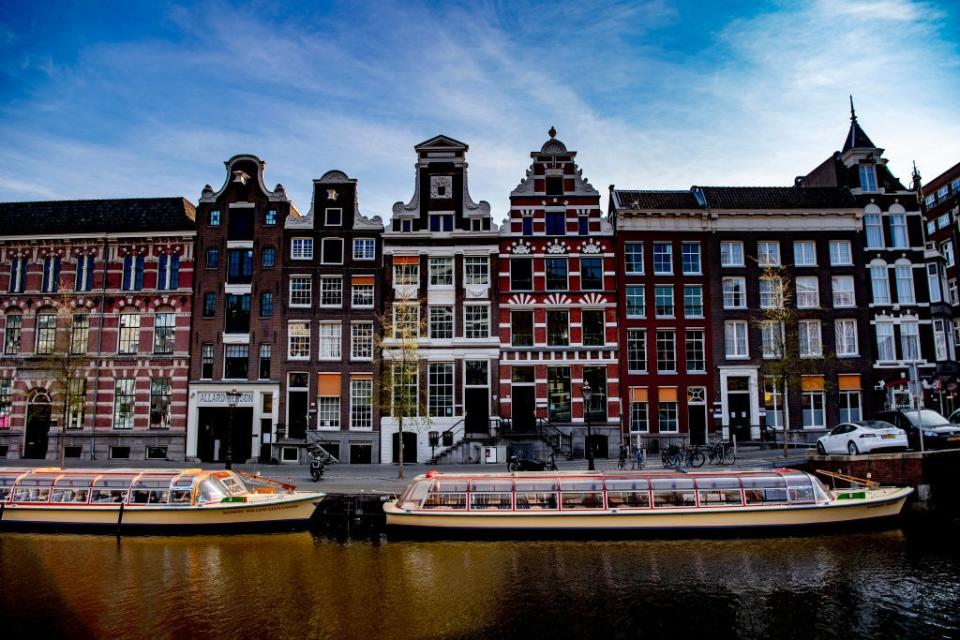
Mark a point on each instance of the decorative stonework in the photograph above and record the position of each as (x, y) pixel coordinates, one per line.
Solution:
(591, 248)
(521, 248)
(441, 187)
(558, 299)
(557, 247)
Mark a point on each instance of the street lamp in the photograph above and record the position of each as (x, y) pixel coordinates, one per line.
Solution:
(587, 393)
(233, 398)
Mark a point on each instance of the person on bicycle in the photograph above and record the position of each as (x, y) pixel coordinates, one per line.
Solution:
(638, 458)
(622, 460)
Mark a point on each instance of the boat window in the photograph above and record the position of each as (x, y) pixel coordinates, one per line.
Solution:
(414, 494)
(234, 486)
(447, 495)
(211, 490)
(718, 483)
(71, 490)
(110, 489)
(6, 487)
(492, 486)
(591, 484)
(532, 484)
(800, 488)
(673, 492)
(536, 499)
(628, 484)
(628, 493)
(761, 489)
(150, 491)
(450, 486)
(719, 492)
(33, 490)
(491, 501)
(582, 499)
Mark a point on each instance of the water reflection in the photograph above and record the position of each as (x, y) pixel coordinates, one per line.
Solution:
(887, 584)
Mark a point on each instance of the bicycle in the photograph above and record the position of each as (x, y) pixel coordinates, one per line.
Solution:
(721, 453)
(638, 461)
(622, 459)
(692, 456)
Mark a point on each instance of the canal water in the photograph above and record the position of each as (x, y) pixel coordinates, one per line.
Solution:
(891, 584)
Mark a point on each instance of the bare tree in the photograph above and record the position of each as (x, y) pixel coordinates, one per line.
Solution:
(398, 391)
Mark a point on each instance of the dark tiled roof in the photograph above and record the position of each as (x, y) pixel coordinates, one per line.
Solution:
(741, 198)
(96, 216)
(857, 139)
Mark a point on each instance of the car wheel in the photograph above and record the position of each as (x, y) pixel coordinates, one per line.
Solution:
(820, 449)
(852, 448)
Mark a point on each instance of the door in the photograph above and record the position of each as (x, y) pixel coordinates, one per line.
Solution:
(524, 408)
(37, 432)
(600, 445)
(697, 423)
(361, 453)
(738, 410)
(409, 447)
(477, 407)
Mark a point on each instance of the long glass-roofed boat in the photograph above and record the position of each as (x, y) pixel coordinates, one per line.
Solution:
(596, 501)
(130, 499)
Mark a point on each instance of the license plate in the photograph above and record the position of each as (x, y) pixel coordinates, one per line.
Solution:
(952, 438)
(888, 436)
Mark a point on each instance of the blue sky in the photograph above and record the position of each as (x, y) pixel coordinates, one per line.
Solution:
(122, 99)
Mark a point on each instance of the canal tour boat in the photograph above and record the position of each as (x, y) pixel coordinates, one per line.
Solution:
(174, 501)
(632, 502)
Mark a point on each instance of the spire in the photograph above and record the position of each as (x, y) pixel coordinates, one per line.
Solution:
(552, 133)
(917, 182)
(856, 138)
(853, 113)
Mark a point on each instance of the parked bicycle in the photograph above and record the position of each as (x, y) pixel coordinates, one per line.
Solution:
(691, 456)
(622, 459)
(721, 452)
(638, 459)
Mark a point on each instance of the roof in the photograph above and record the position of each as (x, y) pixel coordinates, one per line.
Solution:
(741, 198)
(856, 138)
(49, 217)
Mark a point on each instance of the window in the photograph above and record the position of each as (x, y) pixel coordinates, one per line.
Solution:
(266, 352)
(666, 351)
(237, 313)
(406, 274)
(214, 218)
(6, 404)
(51, 274)
(18, 273)
(696, 351)
(886, 351)
(593, 328)
(209, 305)
(521, 328)
(270, 219)
(132, 273)
(773, 401)
(328, 410)
(904, 277)
(364, 249)
(329, 340)
(362, 295)
(235, 360)
(441, 221)
(840, 252)
(691, 258)
(633, 257)
(850, 406)
(668, 417)
(361, 341)
(298, 340)
(46, 332)
(521, 274)
(361, 403)
(163, 333)
(333, 217)
(808, 292)
(731, 254)
(943, 221)
(591, 274)
(301, 291)
(168, 271)
(768, 253)
(639, 414)
(332, 251)
(331, 291)
(898, 231)
(476, 321)
(635, 302)
(527, 225)
(947, 250)
(940, 339)
(301, 248)
(440, 388)
(266, 304)
(406, 320)
(206, 361)
(735, 339)
(556, 223)
(441, 323)
(734, 293)
(161, 394)
(12, 333)
(771, 339)
(953, 293)
(805, 253)
(213, 258)
(405, 389)
(558, 393)
(556, 274)
(846, 334)
(129, 333)
(239, 266)
(663, 301)
(931, 227)
(662, 258)
(771, 292)
(441, 272)
(868, 177)
(84, 279)
(476, 271)
(693, 301)
(406, 225)
(880, 284)
(843, 295)
(583, 225)
(811, 345)
(79, 332)
(636, 350)
(123, 403)
(814, 416)
(558, 329)
(910, 340)
(873, 224)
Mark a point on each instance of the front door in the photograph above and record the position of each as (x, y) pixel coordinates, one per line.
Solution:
(697, 423)
(478, 410)
(524, 408)
(600, 445)
(37, 432)
(738, 410)
(409, 447)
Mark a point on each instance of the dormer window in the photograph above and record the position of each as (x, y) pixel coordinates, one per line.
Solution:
(441, 221)
(406, 225)
(868, 177)
(334, 217)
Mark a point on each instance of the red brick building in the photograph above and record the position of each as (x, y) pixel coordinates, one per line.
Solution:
(558, 307)
(105, 285)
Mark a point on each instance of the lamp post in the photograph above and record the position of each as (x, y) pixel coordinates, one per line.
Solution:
(587, 393)
(233, 398)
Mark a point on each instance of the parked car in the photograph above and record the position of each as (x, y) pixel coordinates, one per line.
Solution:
(865, 436)
(938, 432)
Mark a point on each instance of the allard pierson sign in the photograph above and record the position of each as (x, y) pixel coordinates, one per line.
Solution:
(219, 398)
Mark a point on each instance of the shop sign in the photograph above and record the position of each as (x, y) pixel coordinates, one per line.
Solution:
(219, 398)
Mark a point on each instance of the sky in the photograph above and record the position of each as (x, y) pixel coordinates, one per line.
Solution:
(140, 99)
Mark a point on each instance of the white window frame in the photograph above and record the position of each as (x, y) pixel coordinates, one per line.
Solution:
(470, 325)
(846, 338)
(873, 224)
(476, 271)
(301, 248)
(329, 340)
(771, 340)
(361, 246)
(361, 341)
(910, 340)
(323, 248)
(801, 248)
(325, 280)
(903, 275)
(768, 253)
(326, 217)
(361, 404)
(449, 315)
(299, 338)
(355, 289)
(731, 253)
(845, 295)
(899, 233)
(886, 336)
(841, 253)
(669, 247)
(738, 287)
(879, 283)
(683, 253)
(809, 297)
(303, 291)
(737, 327)
(811, 338)
(431, 271)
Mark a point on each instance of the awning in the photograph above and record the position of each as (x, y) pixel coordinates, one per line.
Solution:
(406, 259)
(811, 383)
(666, 394)
(361, 279)
(849, 382)
(328, 385)
(638, 394)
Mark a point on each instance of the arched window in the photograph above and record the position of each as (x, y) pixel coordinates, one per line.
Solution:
(879, 282)
(904, 275)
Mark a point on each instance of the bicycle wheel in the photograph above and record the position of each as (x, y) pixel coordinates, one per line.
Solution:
(697, 459)
(729, 455)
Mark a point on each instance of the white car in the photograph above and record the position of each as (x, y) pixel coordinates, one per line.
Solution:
(862, 437)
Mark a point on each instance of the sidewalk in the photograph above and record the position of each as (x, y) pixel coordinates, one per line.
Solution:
(382, 478)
